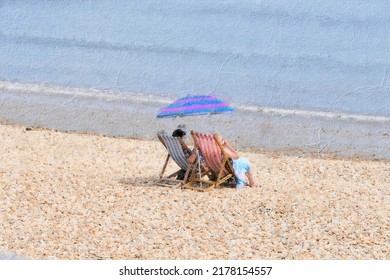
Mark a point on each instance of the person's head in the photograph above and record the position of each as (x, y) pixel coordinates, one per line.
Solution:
(178, 133)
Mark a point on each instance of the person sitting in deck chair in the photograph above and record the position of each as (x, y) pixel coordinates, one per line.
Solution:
(241, 166)
(191, 156)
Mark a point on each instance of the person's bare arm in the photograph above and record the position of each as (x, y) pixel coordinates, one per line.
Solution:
(192, 158)
(230, 151)
(184, 144)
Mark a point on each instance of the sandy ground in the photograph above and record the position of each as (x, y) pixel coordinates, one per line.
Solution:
(78, 196)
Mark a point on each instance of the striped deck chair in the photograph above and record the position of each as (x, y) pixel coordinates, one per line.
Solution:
(174, 147)
(214, 157)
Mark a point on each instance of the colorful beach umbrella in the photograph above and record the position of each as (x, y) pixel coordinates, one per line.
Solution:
(194, 105)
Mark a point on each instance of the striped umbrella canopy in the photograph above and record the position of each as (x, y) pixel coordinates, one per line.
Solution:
(194, 105)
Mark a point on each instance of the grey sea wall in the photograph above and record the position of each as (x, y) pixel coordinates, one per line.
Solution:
(303, 75)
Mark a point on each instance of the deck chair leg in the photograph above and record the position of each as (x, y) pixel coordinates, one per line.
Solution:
(193, 171)
(188, 171)
(165, 166)
(218, 182)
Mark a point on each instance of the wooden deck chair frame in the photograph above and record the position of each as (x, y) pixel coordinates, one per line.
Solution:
(216, 160)
(175, 152)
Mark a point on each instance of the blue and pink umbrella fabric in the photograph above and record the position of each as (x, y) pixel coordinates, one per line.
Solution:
(194, 105)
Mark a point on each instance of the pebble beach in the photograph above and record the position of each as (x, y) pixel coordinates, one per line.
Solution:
(71, 196)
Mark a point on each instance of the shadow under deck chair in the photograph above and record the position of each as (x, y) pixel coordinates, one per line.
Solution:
(217, 161)
(174, 147)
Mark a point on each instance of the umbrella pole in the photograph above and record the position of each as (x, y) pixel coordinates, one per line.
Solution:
(200, 174)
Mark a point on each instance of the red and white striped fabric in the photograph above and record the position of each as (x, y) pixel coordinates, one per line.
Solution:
(211, 152)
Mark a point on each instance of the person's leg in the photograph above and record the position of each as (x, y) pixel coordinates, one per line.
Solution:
(248, 173)
(252, 182)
